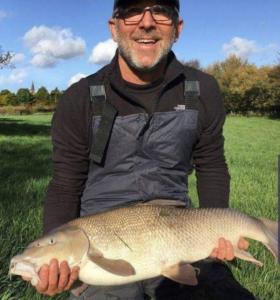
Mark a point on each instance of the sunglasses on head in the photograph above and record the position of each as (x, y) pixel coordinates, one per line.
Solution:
(162, 14)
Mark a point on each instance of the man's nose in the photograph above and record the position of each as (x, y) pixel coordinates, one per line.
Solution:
(147, 20)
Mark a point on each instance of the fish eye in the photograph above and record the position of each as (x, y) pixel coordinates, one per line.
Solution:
(52, 241)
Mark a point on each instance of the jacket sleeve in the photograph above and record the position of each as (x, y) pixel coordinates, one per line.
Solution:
(70, 126)
(213, 180)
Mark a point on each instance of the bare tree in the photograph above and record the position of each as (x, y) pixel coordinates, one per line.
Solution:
(5, 58)
(194, 63)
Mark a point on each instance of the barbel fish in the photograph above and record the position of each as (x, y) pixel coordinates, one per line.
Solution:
(143, 241)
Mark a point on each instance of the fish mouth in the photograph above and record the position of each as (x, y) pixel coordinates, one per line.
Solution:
(23, 268)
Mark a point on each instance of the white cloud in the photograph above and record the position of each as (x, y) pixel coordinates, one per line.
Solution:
(245, 49)
(76, 78)
(43, 61)
(103, 52)
(240, 47)
(49, 45)
(17, 58)
(15, 77)
(3, 15)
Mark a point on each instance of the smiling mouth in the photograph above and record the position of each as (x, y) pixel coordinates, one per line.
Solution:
(146, 41)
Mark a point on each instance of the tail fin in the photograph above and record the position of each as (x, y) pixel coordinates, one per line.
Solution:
(271, 231)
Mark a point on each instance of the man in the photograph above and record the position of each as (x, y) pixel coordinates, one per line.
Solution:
(132, 133)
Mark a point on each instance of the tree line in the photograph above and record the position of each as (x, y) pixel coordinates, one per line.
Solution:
(25, 100)
(24, 96)
(245, 87)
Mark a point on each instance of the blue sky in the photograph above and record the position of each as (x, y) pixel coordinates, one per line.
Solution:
(58, 41)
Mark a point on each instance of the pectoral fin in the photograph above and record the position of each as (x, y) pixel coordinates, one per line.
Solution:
(182, 272)
(247, 256)
(116, 266)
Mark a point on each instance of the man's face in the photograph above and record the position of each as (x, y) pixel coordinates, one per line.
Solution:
(144, 45)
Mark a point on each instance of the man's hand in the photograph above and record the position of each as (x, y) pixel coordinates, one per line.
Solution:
(225, 249)
(55, 278)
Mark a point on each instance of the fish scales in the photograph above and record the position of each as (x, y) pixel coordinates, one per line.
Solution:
(132, 233)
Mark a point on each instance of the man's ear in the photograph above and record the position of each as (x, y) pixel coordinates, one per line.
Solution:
(179, 28)
(112, 28)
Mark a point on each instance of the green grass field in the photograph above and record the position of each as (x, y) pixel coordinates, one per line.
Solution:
(252, 147)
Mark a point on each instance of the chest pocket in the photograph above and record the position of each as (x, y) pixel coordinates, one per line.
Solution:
(175, 132)
(173, 137)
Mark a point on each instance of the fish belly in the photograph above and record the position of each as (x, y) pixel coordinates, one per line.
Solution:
(91, 274)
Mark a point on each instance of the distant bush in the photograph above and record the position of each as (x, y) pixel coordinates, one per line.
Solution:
(26, 102)
(26, 109)
(15, 110)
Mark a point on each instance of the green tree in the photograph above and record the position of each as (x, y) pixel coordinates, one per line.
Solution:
(259, 97)
(274, 75)
(42, 96)
(3, 97)
(5, 92)
(7, 98)
(274, 80)
(24, 96)
(234, 74)
(12, 99)
(236, 78)
(55, 95)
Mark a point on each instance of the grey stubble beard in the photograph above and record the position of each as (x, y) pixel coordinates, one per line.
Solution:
(127, 54)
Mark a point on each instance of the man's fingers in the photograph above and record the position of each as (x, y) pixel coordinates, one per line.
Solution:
(43, 284)
(243, 244)
(63, 276)
(73, 277)
(222, 249)
(225, 249)
(229, 251)
(214, 253)
(53, 276)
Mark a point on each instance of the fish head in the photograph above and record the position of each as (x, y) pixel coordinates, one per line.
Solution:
(67, 243)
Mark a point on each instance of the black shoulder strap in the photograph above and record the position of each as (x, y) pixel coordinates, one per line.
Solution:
(108, 114)
(192, 94)
(97, 93)
(98, 98)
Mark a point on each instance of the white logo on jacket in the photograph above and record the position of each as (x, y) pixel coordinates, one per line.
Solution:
(180, 107)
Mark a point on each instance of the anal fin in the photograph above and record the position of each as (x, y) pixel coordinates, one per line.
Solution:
(246, 256)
